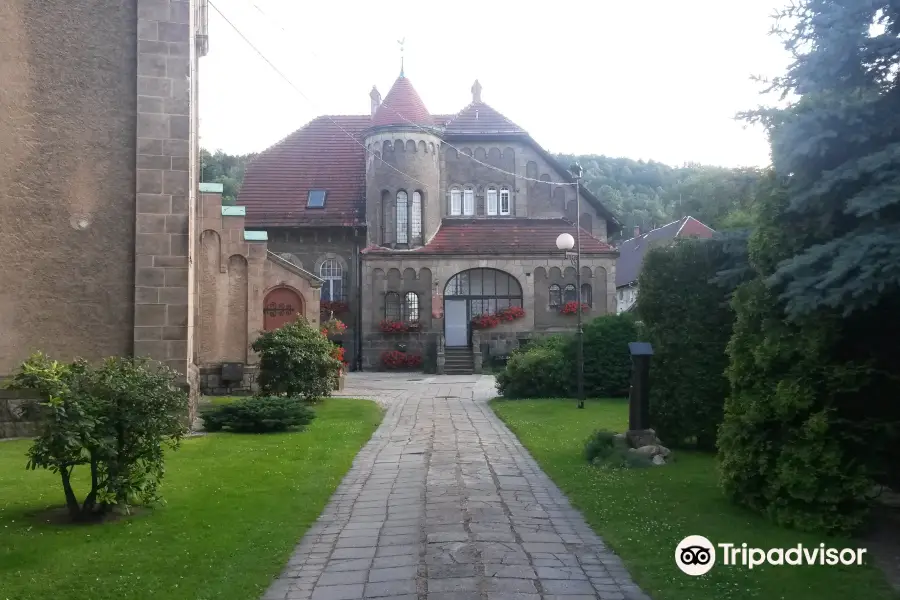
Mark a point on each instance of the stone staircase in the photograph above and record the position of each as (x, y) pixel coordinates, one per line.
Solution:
(458, 361)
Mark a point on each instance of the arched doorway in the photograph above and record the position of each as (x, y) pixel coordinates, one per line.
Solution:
(282, 305)
(476, 292)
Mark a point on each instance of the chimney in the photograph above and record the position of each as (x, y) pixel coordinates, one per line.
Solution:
(637, 231)
(376, 99)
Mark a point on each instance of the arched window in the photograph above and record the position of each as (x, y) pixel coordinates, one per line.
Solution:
(392, 306)
(586, 294)
(455, 202)
(387, 218)
(488, 290)
(416, 218)
(469, 200)
(491, 200)
(505, 205)
(411, 307)
(333, 274)
(555, 296)
(402, 218)
(569, 294)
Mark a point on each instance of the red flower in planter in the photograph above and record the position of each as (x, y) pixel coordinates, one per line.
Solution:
(336, 307)
(413, 360)
(392, 326)
(511, 313)
(393, 359)
(571, 308)
(337, 353)
(485, 321)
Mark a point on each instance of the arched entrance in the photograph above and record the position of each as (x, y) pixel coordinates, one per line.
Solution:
(472, 293)
(282, 305)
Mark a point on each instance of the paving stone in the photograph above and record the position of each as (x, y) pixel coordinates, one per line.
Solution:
(390, 588)
(444, 503)
(338, 592)
(392, 573)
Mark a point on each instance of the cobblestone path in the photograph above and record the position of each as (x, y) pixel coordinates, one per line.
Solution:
(444, 503)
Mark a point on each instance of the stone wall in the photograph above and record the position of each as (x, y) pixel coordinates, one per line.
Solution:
(67, 178)
(16, 420)
(236, 274)
(163, 315)
(308, 248)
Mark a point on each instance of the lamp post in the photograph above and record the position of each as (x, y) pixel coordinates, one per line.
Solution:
(565, 242)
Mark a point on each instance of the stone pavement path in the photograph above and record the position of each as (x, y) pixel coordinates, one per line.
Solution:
(444, 503)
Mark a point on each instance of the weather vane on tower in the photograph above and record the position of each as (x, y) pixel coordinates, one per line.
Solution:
(401, 42)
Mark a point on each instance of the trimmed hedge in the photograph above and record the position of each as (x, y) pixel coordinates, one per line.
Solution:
(689, 322)
(547, 367)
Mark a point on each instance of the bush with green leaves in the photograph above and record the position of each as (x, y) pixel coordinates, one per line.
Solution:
(546, 368)
(607, 361)
(688, 321)
(296, 361)
(258, 414)
(116, 419)
(610, 450)
(542, 371)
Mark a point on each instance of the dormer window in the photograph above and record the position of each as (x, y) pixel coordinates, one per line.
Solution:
(316, 199)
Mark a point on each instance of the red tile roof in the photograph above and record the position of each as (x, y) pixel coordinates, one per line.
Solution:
(320, 155)
(501, 236)
(478, 118)
(402, 106)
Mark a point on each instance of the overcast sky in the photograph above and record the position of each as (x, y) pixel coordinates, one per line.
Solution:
(646, 79)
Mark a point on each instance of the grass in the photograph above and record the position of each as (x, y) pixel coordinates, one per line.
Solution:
(643, 513)
(236, 506)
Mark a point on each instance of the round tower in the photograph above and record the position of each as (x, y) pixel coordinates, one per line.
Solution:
(403, 207)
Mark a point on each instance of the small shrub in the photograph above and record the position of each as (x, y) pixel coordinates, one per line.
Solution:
(296, 360)
(258, 414)
(541, 372)
(606, 449)
(116, 418)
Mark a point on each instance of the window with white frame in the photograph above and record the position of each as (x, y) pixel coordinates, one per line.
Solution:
(411, 307)
(402, 217)
(416, 218)
(491, 200)
(505, 204)
(455, 202)
(469, 200)
(333, 273)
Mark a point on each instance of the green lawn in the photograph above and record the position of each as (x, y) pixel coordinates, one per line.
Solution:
(236, 506)
(644, 513)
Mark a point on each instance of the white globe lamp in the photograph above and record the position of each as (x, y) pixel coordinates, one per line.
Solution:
(565, 241)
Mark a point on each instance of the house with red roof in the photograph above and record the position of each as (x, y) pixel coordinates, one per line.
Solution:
(434, 235)
(633, 250)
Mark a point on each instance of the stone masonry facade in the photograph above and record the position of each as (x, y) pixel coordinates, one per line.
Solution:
(164, 296)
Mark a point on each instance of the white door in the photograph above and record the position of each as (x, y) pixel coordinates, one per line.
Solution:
(456, 323)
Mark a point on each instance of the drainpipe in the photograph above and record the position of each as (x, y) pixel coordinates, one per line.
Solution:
(359, 303)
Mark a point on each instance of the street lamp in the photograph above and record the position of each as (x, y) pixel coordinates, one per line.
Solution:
(566, 243)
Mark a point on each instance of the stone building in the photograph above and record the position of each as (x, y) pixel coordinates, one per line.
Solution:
(98, 170)
(420, 223)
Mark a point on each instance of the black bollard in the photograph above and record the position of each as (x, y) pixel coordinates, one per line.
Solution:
(639, 396)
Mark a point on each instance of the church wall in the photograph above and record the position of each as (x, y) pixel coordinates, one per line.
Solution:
(68, 125)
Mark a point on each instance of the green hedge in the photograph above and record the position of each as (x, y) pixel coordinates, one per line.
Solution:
(547, 367)
(688, 321)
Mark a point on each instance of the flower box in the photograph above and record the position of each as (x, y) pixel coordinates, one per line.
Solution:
(571, 308)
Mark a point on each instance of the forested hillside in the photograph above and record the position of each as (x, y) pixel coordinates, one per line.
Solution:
(650, 194)
(644, 194)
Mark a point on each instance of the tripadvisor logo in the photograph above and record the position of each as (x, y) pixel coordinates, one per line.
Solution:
(696, 555)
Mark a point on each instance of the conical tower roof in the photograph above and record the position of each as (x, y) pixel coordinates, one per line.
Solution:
(402, 106)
